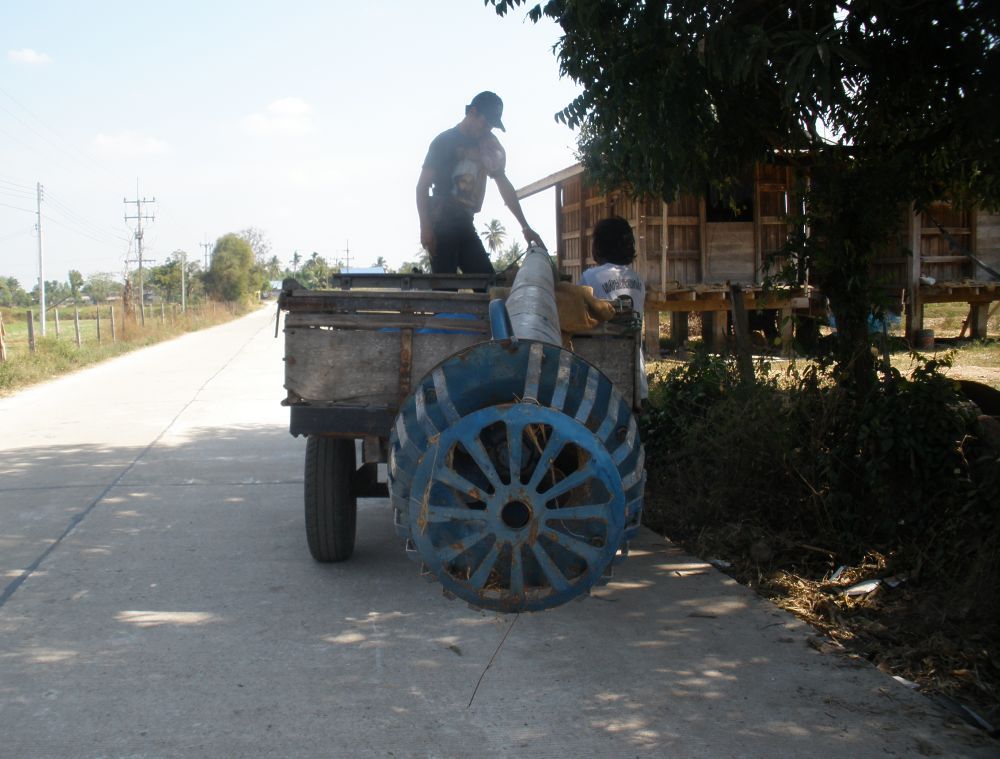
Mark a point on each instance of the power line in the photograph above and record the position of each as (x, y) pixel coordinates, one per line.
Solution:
(15, 184)
(95, 228)
(17, 208)
(12, 235)
(78, 157)
(15, 193)
(105, 241)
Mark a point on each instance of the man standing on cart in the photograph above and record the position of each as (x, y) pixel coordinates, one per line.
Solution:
(452, 186)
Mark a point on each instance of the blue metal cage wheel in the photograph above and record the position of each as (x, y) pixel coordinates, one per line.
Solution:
(516, 475)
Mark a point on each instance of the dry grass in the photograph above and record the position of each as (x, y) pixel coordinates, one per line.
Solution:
(59, 354)
(936, 638)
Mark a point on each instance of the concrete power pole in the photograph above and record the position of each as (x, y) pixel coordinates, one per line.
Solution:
(208, 247)
(184, 264)
(139, 217)
(41, 269)
(347, 253)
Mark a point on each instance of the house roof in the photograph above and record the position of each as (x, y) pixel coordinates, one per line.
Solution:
(550, 181)
(362, 270)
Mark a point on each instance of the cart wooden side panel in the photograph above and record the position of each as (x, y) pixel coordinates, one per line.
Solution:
(366, 349)
(362, 366)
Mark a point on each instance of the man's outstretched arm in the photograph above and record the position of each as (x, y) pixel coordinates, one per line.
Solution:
(509, 195)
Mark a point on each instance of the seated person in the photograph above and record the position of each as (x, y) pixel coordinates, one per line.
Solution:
(614, 278)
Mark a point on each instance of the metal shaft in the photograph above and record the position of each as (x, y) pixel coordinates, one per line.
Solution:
(531, 303)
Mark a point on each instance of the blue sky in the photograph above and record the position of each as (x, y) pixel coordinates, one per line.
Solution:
(308, 120)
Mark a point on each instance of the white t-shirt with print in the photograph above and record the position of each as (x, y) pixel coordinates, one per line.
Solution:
(614, 281)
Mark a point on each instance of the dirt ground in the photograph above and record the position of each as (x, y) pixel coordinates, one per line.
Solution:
(936, 640)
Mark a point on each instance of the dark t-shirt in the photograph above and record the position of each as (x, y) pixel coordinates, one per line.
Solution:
(461, 165)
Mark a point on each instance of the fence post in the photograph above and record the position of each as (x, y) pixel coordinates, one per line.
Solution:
(76, 325)
(3, 343)
(112, 323)
(163, 319)
(55, 312)
(98, 324)
(31, 331)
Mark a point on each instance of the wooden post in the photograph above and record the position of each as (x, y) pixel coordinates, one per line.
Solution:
(55, 312)
(76, 325)
(787, 332)
(31, 332)
(679, 327)
(713, 329)
(112, 323)
(914, 305)
(98, 325)
(979, 315)
(651, 332)
(741, 326)
(3, 342)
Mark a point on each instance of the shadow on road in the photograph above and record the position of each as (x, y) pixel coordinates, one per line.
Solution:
(171, 585)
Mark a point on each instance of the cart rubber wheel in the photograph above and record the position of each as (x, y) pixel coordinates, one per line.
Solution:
(331, 507)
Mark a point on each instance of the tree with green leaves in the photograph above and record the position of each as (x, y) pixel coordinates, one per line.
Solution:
(422, 263)
(879, 103)
(56, 294)
(508, 257)
(167, 277)
(75, 280)
(315, 272)
(100, 286)
(12, 294)
(493, 235)
(233, 274)
(273, 268)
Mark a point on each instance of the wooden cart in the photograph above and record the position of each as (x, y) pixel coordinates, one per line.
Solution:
(352, 356)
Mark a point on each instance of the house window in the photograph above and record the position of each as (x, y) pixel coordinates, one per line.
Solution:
(733, 203)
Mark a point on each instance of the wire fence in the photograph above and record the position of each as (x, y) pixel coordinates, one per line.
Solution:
(21, 331)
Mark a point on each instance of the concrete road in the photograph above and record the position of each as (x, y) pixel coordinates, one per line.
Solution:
(157, 599)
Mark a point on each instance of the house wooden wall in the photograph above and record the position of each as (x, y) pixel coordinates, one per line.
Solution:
(679, 248)
(988, 240)
(676, 245)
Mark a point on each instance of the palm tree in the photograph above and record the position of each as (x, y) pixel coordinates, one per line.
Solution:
(274, 268)
(296, 260)
(493, 235)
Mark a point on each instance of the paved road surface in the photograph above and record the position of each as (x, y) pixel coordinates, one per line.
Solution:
(157, 599)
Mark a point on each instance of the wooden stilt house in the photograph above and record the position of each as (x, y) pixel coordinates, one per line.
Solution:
(691, 250)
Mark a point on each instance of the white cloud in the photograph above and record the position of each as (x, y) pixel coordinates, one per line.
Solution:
(128, 145)
(287, 117)
(28, 56)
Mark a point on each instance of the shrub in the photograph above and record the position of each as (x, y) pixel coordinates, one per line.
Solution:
(898, 470)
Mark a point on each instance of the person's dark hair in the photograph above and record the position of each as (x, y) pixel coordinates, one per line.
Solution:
(613, 241)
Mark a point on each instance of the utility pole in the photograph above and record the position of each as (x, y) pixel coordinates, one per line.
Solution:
(207, 246)
(184, 264)
(41, 269)
(347, 252)
(139, 200)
